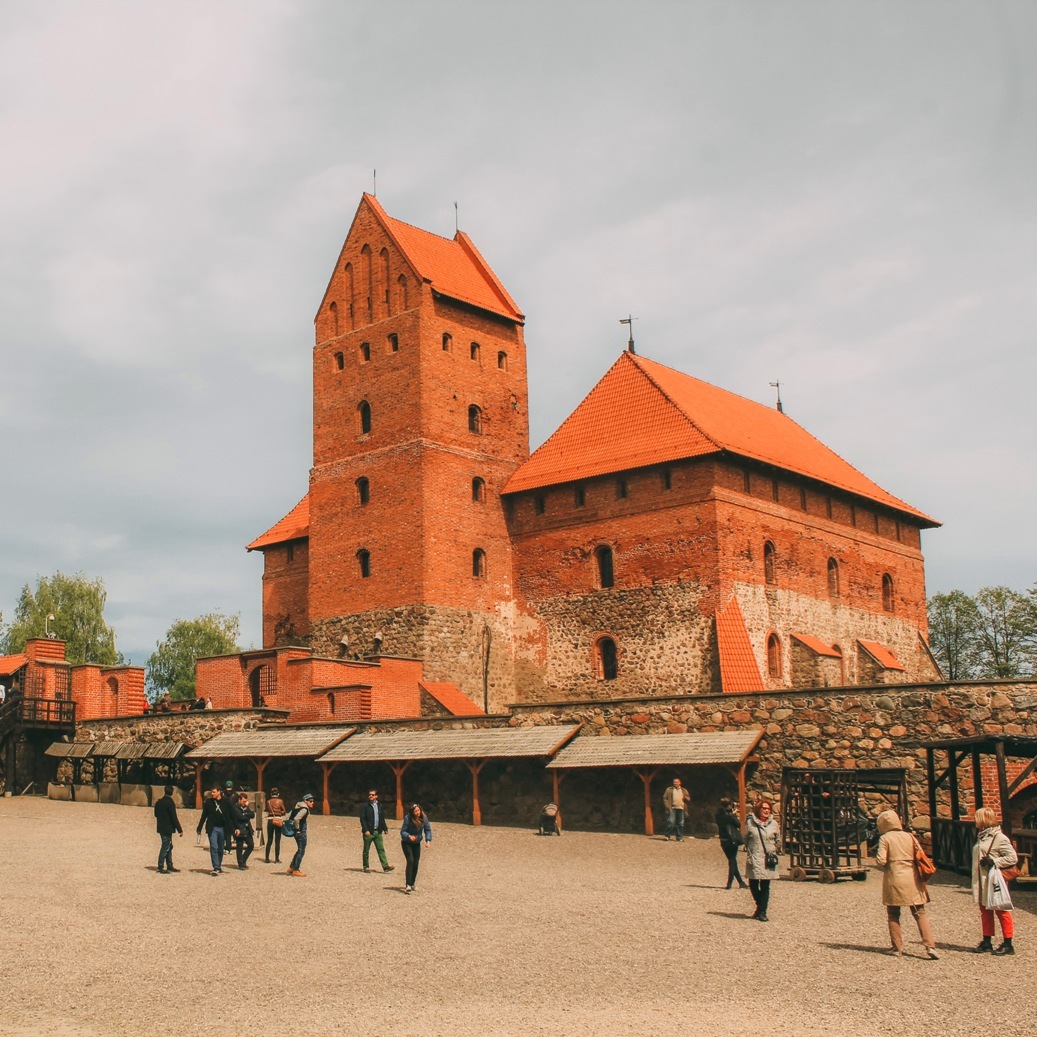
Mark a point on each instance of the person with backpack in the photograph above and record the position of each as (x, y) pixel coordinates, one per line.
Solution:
(297, 822)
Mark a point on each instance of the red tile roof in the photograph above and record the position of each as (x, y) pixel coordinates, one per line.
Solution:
(882, 655)
(451, 698)
(453, 267)
(11, 664)
(817, 646)
(643, 413)
(294, 526)
(738, 669)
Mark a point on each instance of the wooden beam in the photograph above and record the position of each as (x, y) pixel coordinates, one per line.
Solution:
(260, 765)
(327, 768)
(475, 766)
(1022, 776)
(646, 777)
(955, 794)
(398, 768)
(199, 766)
(930, 763)
(1002, 786)
(977, 778)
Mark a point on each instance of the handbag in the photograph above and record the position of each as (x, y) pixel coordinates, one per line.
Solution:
(998, 898)
(1009, 873)
(924, 867)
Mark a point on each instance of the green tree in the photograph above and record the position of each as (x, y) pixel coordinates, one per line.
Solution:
(77, 607)
(172, 665)
(1007, 631)
(954, 623)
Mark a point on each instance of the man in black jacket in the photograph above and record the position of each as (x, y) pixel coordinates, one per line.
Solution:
(216, 818)
(243, 814)
(372, 824)
(166, 822)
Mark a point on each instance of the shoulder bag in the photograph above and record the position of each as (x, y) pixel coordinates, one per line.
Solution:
(924, 867)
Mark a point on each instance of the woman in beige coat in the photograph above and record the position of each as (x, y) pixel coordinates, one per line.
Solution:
(901, 886)
(992, 847)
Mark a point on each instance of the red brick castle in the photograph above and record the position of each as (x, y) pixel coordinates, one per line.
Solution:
(670, 537)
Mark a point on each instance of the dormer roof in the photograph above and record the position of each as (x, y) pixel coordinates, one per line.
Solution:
(453, 267)
(643, 413)
(294, 526)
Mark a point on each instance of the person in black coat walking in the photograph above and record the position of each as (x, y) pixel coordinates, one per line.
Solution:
(242, 814)
(730, 841)
(216, 819)
(372, 824)
(166, 823)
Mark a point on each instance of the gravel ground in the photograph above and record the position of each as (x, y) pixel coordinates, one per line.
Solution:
(509, 933)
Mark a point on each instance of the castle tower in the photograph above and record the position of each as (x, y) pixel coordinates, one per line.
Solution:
(420, 417)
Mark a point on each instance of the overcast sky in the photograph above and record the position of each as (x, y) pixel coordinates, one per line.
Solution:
(839, 196)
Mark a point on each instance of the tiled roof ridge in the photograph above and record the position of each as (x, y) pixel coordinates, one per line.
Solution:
(261, 541)
(669, 399)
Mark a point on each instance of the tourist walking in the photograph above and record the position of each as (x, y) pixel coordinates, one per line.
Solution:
(243, 830)
(762, 838)
(414, 829)
(902, 886)
(676, 801)
(215, 818)
(993, 849)
(275, 808)
(372, 824)
(166, 823)
(300, 816)
(730, 841)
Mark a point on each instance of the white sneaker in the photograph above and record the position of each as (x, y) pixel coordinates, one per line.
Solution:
(408, 889)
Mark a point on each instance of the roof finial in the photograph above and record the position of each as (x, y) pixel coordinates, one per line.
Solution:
(374, 183)
(456, 225)
(629, 321)
(777, 385)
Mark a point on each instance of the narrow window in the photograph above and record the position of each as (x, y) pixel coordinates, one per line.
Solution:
(606, 575)
(833, 578)
(579, 496)
(331, 703)
(363, 490)
(606, 659)
(384, 256)
(365, 417)
(478, 490)
(802, 498)
(853, 514)
(775, 490)
(448, 342)
(621, 489)
(774, 655)
(365, 351)
(828, 507)
(876, 522)
(768, 563)
(747, 482)
(394, 343)
(333, 309)
(899, 531)
(340, 361)
(539, 503)
(475, 420)
(667, 478)
(401, 292)
(474, 350)
(887, 592)
(350, 288)
(479, 563)
(290, 553)
(367, 276)
(363, 557)
(502, 361)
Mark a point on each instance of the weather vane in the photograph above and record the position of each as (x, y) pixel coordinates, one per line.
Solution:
(777, 385)
(629, 322)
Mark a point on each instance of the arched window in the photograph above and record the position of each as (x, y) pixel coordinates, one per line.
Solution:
(367, 277)
(502, 361)
(475, 420)
(606, 659)
(350, 288)
(113, 685)
(384, 256)
(333, 310)
(364, 411)
(774, 655)
(340, 361)
(833, 578)
(365, 351)
(363, 557)
(888, 599)
(474, 351)
(331, 703)
(394, 343)
(401, 292)
(479, 563)
(478, 490)
(448, 342)
(606, 574)
(258, 684)
(363, 490)
(769, 573)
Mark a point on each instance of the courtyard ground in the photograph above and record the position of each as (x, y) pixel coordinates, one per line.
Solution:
(508, 933)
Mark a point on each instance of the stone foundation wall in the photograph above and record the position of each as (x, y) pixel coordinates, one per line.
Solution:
(192, 727)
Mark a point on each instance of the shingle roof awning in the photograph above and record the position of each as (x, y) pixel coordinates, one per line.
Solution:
(704, 748)
(304, 741)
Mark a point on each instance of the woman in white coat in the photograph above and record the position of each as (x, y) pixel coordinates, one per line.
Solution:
(762, 839)
(992, 847)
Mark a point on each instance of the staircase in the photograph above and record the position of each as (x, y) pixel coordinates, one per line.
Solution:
(22, 715)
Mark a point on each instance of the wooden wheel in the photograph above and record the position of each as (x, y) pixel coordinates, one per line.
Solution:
(859, 876)
(798, 874)
(826, 875)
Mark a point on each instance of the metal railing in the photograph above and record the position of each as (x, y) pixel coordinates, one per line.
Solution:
(36, 712)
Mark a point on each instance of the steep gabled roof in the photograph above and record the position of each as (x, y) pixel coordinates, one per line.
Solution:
(452, 698)
(294, 526)
(642, 413)
(738, 670)
(453, 267)
(882, 655)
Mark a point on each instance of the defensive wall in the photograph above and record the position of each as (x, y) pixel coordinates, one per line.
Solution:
(880, 726)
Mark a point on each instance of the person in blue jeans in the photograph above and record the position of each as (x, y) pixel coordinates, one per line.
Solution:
(676, 801)
(300, 815)
(215, 817)
(166, 823)
(415, 827)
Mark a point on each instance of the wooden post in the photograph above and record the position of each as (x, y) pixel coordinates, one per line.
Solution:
(743, 806)
(953, 760)
(646, 777)
(398, 768)
(977, 778)
(327, 768)
(199, 766)
(260, 765)
(475, 766)
(1002, 786)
